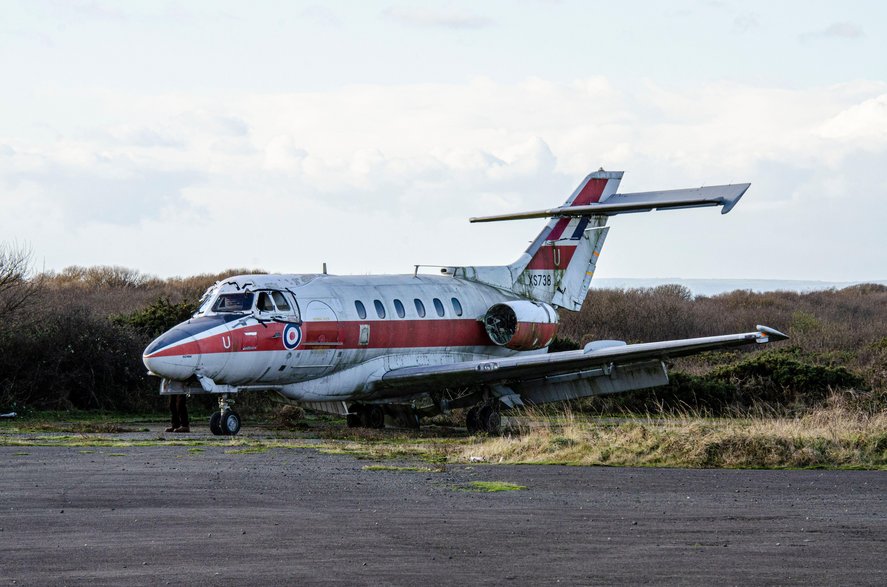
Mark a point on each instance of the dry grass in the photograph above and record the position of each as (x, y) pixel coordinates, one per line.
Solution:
(830, 437)
(838, 435)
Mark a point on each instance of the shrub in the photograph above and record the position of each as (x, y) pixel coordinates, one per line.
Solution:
(158, 317)
(74, 360)
(780, 375)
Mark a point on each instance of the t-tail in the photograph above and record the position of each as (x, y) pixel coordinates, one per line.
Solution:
(558, 266)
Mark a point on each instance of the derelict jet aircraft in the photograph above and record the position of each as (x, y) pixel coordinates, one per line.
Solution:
(399, 347)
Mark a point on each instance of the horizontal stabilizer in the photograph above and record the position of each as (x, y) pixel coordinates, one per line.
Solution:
(716, 195)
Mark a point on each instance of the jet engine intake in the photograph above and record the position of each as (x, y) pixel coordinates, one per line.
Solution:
(521, 325)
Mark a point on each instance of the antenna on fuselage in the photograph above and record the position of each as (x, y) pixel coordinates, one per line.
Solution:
(324, 267)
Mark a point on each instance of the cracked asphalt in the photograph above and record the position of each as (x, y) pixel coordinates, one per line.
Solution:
(171, 515)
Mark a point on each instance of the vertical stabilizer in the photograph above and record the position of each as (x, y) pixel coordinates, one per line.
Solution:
(558, 266)
(559, 263)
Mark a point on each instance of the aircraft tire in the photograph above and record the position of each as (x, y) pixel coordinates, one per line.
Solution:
(230, 423)
(215, 423)
(493, 422)
(353, 420)
(483, 414)
(471, 420)
(375, 417)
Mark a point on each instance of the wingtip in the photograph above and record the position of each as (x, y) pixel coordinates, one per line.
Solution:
(728, 205)
(771, 333)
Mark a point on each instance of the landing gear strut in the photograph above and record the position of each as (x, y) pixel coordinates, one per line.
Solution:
(225, 422)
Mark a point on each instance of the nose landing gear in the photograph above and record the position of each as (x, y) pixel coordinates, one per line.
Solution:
(225, 422)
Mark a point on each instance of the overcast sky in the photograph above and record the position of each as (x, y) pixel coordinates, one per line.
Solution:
(189, 137)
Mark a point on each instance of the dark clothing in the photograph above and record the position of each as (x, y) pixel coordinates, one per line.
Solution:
(178, 410)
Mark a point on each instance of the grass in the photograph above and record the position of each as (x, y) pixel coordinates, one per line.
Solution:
(492, 486)
(830, 437)
(78, 427)
(834, 436)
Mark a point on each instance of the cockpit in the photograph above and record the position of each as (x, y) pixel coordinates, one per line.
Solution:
(233, 302)
(271, 303)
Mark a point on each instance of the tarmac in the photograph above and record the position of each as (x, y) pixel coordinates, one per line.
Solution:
(162, 515)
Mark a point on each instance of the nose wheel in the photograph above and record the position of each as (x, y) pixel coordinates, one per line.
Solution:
(225, 422)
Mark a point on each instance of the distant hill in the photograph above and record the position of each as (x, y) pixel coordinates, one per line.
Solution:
(710, 287)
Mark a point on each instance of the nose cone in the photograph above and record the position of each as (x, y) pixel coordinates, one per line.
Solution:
(173, 355)
(179, 367)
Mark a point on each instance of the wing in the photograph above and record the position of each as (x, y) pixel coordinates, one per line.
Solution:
(716, 195)
(555, 365)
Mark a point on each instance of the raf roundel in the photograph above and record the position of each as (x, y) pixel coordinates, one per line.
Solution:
(292, 336)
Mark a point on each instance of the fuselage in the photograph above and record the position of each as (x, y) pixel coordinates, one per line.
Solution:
(326, 337)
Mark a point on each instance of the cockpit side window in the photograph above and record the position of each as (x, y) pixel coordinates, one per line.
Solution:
(264, 303)
(234, 302)
(280, 301)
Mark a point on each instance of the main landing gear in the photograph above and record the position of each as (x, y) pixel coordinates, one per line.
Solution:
(225, 422)
(484, 418)
(366, 416)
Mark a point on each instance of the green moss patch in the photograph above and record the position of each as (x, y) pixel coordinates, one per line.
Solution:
(493, 486)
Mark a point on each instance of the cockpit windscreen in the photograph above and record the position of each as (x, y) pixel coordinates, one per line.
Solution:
(234, 302)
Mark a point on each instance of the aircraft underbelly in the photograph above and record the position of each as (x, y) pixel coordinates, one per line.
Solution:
(357, 380)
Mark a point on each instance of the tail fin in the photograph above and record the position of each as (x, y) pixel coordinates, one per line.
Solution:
(558, 266)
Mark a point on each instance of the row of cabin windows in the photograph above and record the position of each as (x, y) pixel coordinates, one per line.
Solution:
(401, 311)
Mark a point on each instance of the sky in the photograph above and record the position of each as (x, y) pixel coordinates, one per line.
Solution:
(189, 137)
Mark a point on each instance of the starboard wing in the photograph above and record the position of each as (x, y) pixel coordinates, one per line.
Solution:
(563, 364)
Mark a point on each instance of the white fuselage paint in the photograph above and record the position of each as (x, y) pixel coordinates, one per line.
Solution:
(337, 354)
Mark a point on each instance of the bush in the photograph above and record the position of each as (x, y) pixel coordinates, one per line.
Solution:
(75, 360)
(781, 375)
(290, 417)
(158, 317)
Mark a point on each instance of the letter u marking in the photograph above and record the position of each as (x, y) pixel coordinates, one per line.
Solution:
(226, 342)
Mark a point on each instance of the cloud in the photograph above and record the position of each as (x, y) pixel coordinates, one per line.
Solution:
(321, 15)
(84, 10)
(440, 18)
(746, 22)
(375, 178)
(863, 124)
(836, 30)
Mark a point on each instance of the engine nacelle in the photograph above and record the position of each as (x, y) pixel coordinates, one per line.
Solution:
(521, 325)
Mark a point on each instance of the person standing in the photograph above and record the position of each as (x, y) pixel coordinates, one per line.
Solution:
(178, 410)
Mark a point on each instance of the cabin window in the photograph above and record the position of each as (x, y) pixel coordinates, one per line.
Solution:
(280, 301)
(438, 307)
(264, 303)
(380, 308)
(235, 302)
(361, 310)
(420, 308)
(398, 307)
(457, 307)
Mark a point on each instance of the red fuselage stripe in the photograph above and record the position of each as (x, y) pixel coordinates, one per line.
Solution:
(395, 333)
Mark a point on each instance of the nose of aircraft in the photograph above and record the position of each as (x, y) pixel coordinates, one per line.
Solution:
(173, 355)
